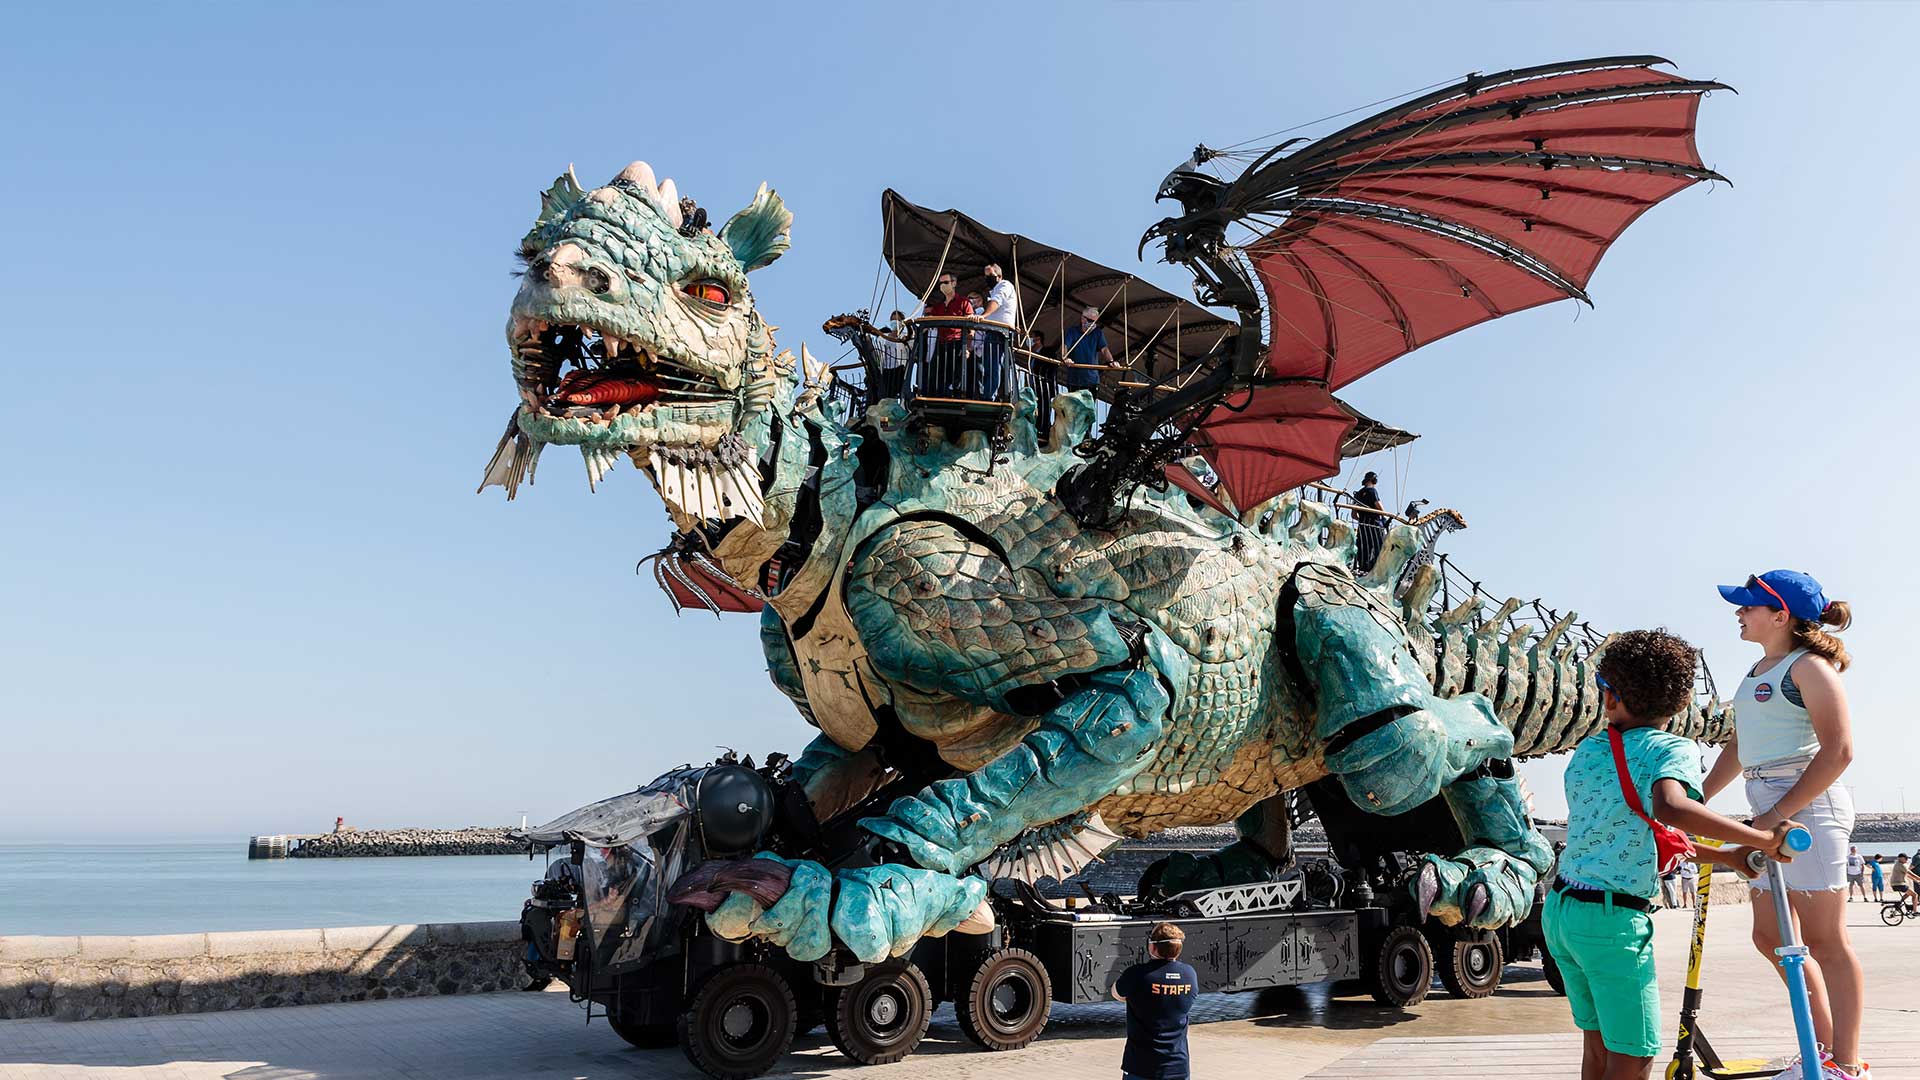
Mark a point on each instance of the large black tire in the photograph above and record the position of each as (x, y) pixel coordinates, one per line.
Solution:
(1470, 962)
(739, 1023)
(1401, 971)
(882, 1018)
(1552, 968)
(644, 1036)
(1891, 914)
(1006, 1004)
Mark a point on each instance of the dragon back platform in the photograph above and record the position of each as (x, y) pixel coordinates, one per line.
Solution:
(1022, 639)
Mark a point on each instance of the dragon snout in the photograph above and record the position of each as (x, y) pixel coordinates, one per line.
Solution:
(566, 265)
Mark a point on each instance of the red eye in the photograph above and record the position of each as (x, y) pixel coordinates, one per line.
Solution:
(710, 291)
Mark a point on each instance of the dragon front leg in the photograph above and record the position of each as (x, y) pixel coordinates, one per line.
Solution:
(1073, 702)
(1393, 745)
(1085, 747)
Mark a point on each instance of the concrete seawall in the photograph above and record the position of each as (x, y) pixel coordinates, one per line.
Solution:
(83, 978)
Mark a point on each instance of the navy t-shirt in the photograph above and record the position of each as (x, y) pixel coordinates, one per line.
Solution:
(1159, 996)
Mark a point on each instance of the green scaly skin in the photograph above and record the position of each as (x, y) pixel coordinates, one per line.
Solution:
(1182, 668)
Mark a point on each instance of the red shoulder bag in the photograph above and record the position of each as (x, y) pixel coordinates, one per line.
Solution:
(1671, 846)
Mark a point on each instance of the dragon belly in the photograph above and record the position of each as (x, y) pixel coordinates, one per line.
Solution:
(1233, 741)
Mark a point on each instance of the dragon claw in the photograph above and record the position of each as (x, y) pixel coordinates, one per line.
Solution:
(873, 911)
(1479, 898)
(1426, 889)
(1481, 888)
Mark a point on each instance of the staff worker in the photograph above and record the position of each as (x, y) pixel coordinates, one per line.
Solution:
(1159, 993)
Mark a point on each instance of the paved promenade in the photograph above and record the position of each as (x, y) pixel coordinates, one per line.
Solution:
(1275, 1036)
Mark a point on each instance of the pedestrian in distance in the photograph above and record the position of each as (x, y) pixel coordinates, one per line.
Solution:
(1597, 917)
(1856, 874)
(1159, 993)
(1792, 740)
(1901, 878)
(1879, 879)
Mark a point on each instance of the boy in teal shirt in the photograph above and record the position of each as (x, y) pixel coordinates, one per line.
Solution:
(1598, 919)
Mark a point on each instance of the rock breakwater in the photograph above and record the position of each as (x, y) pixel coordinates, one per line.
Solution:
(365, 843)
(1886, 828)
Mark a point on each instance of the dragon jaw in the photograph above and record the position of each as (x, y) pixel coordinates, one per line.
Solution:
(634, 334)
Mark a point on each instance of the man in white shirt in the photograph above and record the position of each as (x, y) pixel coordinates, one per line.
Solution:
(1002, 306)
(890, 357)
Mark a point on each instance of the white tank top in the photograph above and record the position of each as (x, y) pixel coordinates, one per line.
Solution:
(1771, 727)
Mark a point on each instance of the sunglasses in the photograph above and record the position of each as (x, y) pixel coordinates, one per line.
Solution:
(1754, 582)
(1606, 687)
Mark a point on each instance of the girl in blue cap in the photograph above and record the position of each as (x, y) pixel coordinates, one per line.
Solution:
(1792, 740)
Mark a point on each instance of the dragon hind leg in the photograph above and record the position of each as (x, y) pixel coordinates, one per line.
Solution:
(1392, 745)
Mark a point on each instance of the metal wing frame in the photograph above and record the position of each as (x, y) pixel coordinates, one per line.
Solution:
(1483, 198)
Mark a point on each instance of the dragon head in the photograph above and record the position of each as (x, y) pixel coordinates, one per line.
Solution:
(634, 334)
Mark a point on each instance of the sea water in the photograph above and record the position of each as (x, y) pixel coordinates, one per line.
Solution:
(193, 887)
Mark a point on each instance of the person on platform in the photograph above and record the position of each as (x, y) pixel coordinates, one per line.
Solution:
(949, 352)
(1856, 874)
(1792, 740)
(1597, 917)
(1372, 523)
(1159, 993)
(890, 357)
(1879, 879)
(1002, 306)
(1045, 380)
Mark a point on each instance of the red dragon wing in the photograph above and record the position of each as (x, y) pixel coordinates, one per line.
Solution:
(1490, 196)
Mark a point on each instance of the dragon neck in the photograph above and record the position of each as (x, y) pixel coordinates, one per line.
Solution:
(802, 487)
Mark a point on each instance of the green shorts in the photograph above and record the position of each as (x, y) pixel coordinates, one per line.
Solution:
(1605, 955)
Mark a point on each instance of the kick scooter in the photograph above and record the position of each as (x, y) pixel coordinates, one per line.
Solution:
(1692, 1042)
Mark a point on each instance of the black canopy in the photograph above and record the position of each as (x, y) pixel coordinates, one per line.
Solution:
(1154, 328)
(1157, 330)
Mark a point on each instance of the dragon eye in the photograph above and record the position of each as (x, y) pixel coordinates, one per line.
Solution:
(598, 281)
(709, 291)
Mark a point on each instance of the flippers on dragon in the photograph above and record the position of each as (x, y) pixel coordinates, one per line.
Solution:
(1040, 647)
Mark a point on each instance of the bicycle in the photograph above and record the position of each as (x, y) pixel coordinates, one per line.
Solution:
(1893, 911)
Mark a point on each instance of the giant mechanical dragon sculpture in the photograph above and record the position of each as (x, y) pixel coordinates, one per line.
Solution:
(992, 672)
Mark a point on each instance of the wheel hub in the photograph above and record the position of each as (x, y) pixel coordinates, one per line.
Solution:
(885, 1009)
(738, 1021)
(1479, 959)
(1006, 1001)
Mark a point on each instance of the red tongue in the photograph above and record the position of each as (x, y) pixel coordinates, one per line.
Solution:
(593, 388)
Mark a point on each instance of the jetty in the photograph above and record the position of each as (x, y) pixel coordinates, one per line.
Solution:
(277, 845)
(376, 843)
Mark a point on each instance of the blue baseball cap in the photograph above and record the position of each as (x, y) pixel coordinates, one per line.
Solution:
(1798, 593)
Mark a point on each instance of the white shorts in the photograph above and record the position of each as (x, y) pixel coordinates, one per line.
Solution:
(1829, 817)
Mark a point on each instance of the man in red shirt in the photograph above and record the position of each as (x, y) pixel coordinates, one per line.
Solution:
(948, 370)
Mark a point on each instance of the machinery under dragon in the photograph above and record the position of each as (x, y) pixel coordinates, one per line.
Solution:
(1017, 651)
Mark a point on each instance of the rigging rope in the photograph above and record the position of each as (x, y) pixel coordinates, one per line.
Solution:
(1235, 147)
(940, 267)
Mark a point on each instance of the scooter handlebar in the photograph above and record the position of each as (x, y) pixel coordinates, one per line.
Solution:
(1797, 840)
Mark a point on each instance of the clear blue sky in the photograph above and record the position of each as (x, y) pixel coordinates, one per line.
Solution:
(254, 360)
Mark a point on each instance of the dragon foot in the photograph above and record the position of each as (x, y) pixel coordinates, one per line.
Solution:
(803, 908)
(1481, 887)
